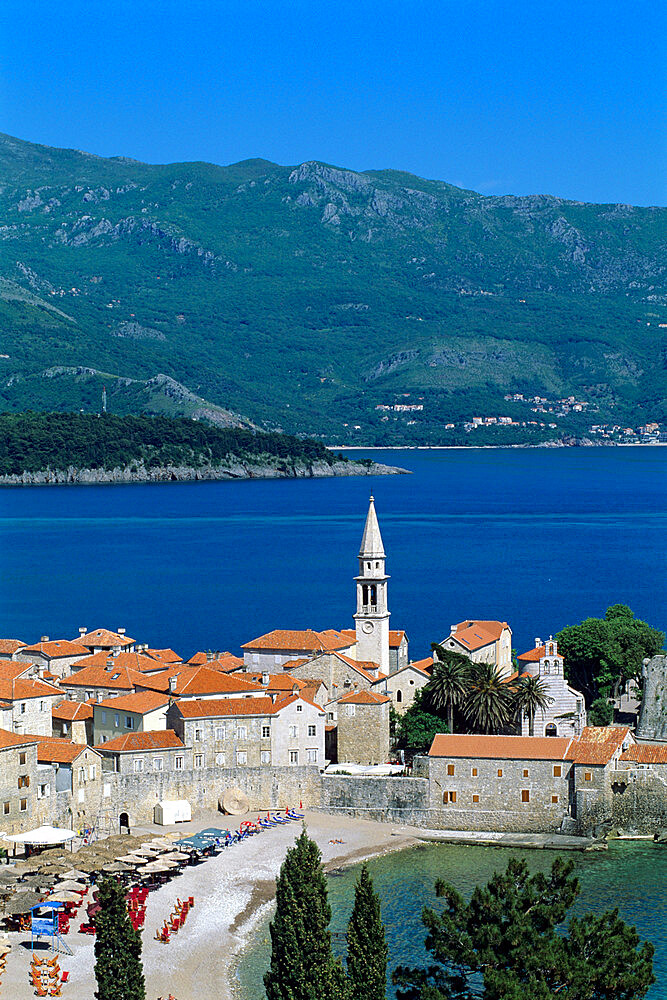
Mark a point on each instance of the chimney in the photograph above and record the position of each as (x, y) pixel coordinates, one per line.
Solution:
(538, 641)
(120, 631)
(82, 630)
(265, 678)
(109, 665)
(452, 629)
(44, 638)
(115, 650)
(172, 683)
(210, 655)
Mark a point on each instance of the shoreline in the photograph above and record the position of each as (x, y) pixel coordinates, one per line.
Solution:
(490, 447)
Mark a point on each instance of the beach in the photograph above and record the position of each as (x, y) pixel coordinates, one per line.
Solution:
(232, 891)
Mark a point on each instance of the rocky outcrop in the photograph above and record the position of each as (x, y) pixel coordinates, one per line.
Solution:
(234, 469)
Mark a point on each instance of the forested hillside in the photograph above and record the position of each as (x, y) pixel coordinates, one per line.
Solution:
(303, 298)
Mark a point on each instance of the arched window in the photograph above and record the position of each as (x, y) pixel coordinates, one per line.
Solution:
(374, 593)
(551, 730)
(399, 696)
(364, 590)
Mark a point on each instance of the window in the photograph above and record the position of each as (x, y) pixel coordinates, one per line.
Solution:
(293, 731)
(450, 769)
(220, 759)
(500, 772)
(129, 722)
(525, 772)
(266, 731)
(330, 716)
(554, 798)
(157, 764)
(92, 772)
(104, 716)
(475, 798)
(138, 765)
(24, 781)
(42, 706)
(65, 727)
(294, 756)
(22, 709)
(6, 808)
(219, 733)
(587, 776)
(265, 757)
(474, 772)
(116, 720)
(350, 709)
(82, 774)
(89, 695)
(197, 735)
(242, 733)
(312, 730)
(178, 763)
(551, 730)
(558, 770)
(22, 757)
(399, 696)
(311, 756)
(23, 805)
(43, 791)
(199, 759)
(241, 757)
(525, 795)
(448, 797)
(100, 696)
(299, 708)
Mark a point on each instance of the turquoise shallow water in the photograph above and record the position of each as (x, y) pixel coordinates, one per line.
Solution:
(631, 875)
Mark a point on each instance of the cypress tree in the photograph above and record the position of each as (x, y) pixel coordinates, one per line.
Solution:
(118, 968)
(302, 964)
(366, 945)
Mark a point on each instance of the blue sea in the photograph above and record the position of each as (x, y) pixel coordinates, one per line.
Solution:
(538, 538)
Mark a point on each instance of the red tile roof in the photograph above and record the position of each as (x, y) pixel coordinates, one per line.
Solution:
(55, 648)
(131, 661)
(162, 739)
(164, 655)
(363, 698)
(477, 634)
(104, 638)
(645, 753)
(280, 682)
(293, 664)
(9, 646)
(198, 658)
(221, 707)
(72, 711)
(140, 702)
(8, 739)
(226, 663)
(192, 680)
(500, 747)
(369, 670)
(10, 669)
(598, 744)
(306, 640)
(24, 688)
(426, 664)
(115, 679)
(533, 655)
(54, 750)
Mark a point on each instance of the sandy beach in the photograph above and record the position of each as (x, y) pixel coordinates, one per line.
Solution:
(232, 891)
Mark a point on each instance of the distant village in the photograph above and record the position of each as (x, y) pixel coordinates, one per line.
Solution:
(99, 730)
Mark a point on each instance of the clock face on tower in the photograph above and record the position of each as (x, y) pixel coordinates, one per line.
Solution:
(368, 627)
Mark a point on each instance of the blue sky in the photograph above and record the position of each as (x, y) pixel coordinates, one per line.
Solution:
(544, 97)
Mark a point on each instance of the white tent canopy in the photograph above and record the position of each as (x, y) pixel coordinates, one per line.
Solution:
(42, 835)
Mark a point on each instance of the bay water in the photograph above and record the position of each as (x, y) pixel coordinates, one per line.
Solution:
(631, 875)
(538, 538)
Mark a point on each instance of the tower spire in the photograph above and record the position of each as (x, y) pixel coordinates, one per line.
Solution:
(372, 615)
(371, 542)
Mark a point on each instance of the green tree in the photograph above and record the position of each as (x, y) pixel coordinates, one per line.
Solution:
(504, 945)
(601, 712)
(530, 697)
(366, 945)
(449, 682)
(118, 968)
(602, 654)
(488, 703)
(302, 964)
(416, 727)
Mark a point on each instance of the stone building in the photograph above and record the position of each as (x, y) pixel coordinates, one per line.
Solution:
(54, 655)
(283, 684)
(402, 686)
(595, 756)
(18, 790)
(340, 673)
(251, 732)
(74, 771)
(188, 681)
(102, 640)
(26, 702)
(275, 649)
(372, 614)
(363, 727)
(73, 720)
(566, 714)
(135, 660)
(140, 754)
(483, 642)
(9, 648)
(142, 711)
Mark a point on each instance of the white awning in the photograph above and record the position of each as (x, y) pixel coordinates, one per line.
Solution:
(42, 835)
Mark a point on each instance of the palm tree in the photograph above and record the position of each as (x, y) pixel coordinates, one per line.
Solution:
(531, 696)
(488, 705)
(448, 684)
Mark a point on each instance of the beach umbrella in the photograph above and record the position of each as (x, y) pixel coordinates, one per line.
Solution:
(75, 874)
(116, 867)
(177, 856)
(63, 897)
(69, 885)
(88, 865)
(159, 866)
(21, 902)
(130, 859)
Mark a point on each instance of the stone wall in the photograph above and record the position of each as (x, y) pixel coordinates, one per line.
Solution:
(639, 799)
(363, 733)
(392, 800)
(18, 800)
(653, 712)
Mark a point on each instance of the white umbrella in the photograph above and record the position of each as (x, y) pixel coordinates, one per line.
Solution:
(42, 835)
(69, 885)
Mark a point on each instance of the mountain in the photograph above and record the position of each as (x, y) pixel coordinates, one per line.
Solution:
(305, 297)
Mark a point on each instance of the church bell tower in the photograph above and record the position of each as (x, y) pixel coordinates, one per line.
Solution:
(372, 616)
